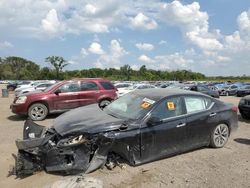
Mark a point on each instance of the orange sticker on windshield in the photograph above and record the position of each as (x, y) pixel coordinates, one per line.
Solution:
(145, 105)
(171, 106)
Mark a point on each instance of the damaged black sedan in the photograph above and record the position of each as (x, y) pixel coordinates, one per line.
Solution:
(140, 127)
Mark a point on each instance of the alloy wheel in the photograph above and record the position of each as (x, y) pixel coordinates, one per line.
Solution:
(221, 134)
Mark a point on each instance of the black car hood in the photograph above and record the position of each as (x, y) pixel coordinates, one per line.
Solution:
(87, 119)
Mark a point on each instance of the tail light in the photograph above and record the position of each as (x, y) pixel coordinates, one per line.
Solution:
(234, 109)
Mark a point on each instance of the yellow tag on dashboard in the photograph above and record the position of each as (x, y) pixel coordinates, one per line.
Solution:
(145, 105)
(170, 106)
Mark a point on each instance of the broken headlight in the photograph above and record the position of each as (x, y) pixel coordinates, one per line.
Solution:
(72, 141)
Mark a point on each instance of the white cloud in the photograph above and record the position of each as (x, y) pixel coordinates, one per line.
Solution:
(51, 23)
(192, 22)
(83, 53)
(143, 22)
(6, 44)
(95, 48)
(145, 59)
(135, 67)
(90, 9)
(173, 61)
(144, 46)
(113, 57)
(162, 42)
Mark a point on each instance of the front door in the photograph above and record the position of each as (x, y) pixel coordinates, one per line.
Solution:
(68, 96)
(169, 135)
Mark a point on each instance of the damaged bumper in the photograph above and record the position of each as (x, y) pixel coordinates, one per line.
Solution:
(45, 149)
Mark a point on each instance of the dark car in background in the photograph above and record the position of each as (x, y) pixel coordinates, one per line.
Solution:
(64, 96)
(141, 126)
(243, 91)
(13, 85)
(244, 107)
(205, 90)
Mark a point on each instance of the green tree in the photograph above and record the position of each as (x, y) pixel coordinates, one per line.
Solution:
(58, 63)
(126, 71)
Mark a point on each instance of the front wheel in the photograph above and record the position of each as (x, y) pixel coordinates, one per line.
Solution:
(104, 103)
(219, 136)
(38, 112)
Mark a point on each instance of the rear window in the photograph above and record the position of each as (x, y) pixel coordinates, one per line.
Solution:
(107, 85)
(88, 86)
(195, 104)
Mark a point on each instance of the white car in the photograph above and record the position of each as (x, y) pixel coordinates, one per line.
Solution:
(40, 86)
(124, 91)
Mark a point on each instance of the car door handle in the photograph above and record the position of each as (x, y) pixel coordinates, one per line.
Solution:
(212, 114)
(181, 125)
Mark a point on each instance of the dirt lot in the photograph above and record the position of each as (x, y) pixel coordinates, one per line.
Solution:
(226, 167)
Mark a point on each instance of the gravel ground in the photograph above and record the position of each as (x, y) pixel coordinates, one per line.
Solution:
(205, 167)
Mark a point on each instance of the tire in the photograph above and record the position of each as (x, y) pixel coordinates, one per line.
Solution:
(104, 103)
(244, 116)
(38, 112)
(11, 88)
(219, 136)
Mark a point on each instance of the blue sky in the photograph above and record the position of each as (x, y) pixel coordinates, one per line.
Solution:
(208, 36)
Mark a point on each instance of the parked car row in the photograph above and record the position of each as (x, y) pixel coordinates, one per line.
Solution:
(37, 99)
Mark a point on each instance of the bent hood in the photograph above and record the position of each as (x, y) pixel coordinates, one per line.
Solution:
(87, 119)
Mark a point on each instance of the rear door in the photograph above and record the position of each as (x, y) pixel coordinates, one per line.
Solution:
(201, 118)
(89, 93)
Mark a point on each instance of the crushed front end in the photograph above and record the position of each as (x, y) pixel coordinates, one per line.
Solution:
(44, 149)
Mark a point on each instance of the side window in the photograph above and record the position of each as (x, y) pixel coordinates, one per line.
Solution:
(193, 88)
(107, 85)
(234, 87)
(169, 108)
(69, 87)
(201, 88)
(88, 86)
(42, 85)
(196, 104)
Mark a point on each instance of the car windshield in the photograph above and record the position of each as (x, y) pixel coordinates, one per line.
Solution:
(129, 106)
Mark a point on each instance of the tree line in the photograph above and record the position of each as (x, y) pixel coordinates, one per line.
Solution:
(18, 68)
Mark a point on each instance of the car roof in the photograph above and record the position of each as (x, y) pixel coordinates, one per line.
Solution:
(159, 93)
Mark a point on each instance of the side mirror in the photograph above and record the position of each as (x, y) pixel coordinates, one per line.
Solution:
(153, 121)
(57, 92)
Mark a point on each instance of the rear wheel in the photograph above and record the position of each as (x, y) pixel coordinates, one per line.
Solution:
(38, 112)
(245, 116)
(11, 88)
(219, 136)
(104, 103)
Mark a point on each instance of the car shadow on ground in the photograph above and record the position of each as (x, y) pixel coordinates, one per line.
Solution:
(242, 141)
(23, 118)
(17, 118)
(243, 120)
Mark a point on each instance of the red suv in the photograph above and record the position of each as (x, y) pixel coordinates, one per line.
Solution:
(64, 96)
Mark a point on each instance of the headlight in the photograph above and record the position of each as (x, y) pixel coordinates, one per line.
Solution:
(242, 101)
(72, 141)
(21, 100)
